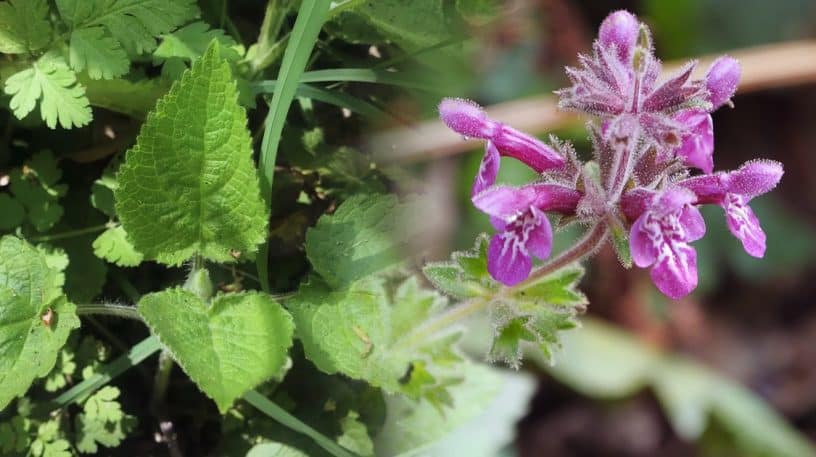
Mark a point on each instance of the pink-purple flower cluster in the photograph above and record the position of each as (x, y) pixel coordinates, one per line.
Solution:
(648, 136)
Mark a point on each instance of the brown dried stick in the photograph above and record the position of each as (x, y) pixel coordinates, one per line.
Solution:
(763, 67)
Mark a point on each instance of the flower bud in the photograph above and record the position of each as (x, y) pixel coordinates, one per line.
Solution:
(621, 30)
(466, 117)
(721, 80)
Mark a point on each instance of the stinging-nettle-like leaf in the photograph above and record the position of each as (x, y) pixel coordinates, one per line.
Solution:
(24, 26)
(536, 313)
(189, 185)
(372, 331)
(227, 346)
(355, 241)
(191, 41)
(35, 317)
(49, 81)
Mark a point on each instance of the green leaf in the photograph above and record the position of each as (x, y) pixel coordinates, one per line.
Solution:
(355, 241)
(134, 99)
(102, 421)
(478, 12)
(36, 186)
(133, 23)
(29, 341)
(355, 435)
(102, 55)
(465, 276)
(180, 195)
(112, 245)
(24, 26)
(368, 332)
(51, 82)
(620, 241)
(191, 41)
(411, 25)
(274, 450)
(417, 428)
(14, 435)
(226, 347)
(558, 288)
(12, 211)
(311, 16)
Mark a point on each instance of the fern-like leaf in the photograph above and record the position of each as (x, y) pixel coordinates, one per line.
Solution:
(50, 81)
(24, 26)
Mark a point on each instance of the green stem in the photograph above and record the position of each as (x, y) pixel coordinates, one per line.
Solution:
(109, 309)
(443, 321)
(592, 240)
(162, 379)
(69, 234)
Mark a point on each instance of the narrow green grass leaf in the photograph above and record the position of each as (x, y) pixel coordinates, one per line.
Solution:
(311, 16)
(277, 413)
(105, 374)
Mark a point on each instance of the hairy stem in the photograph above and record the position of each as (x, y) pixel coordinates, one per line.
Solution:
(68, 234)
(108, 309)
(444, 320)
(585, 246)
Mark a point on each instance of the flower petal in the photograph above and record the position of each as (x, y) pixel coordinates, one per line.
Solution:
(697, 147)
(540, 236)
(466, 118)
(488, 169)
(675, 273)
(620, 29)
(530, 151)
(506, 201)
(641, 244)
(755, 178)
(693, 223)
(505, 261)
(743, 224)
(722, 79)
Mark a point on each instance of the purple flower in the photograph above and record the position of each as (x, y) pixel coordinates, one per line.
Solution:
(524, 232)
(732, 191)
(697, 147)
(468, 118)
(620, 30)
(660, 239)
(721, 80)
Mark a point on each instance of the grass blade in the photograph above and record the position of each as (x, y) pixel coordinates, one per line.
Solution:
(106, 373)
(277, 413)
(360, 75)
(311, 16)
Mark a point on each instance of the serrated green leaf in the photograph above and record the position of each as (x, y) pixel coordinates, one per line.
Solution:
(24, 26)
(466, 275)
(367, 333)
(226, 347)
(198, 192)
(58, 448)
(102, 421)
(102, 55)
(355, 241)
(133, 23)
(191, 41)
(506, 345)
(49, 81)
(29, 290)
(557, 289)
(12, 211)
(36, 186)
(112, 245)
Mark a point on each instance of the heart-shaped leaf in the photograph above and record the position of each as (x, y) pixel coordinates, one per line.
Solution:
(35, 317)
(226, 347)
